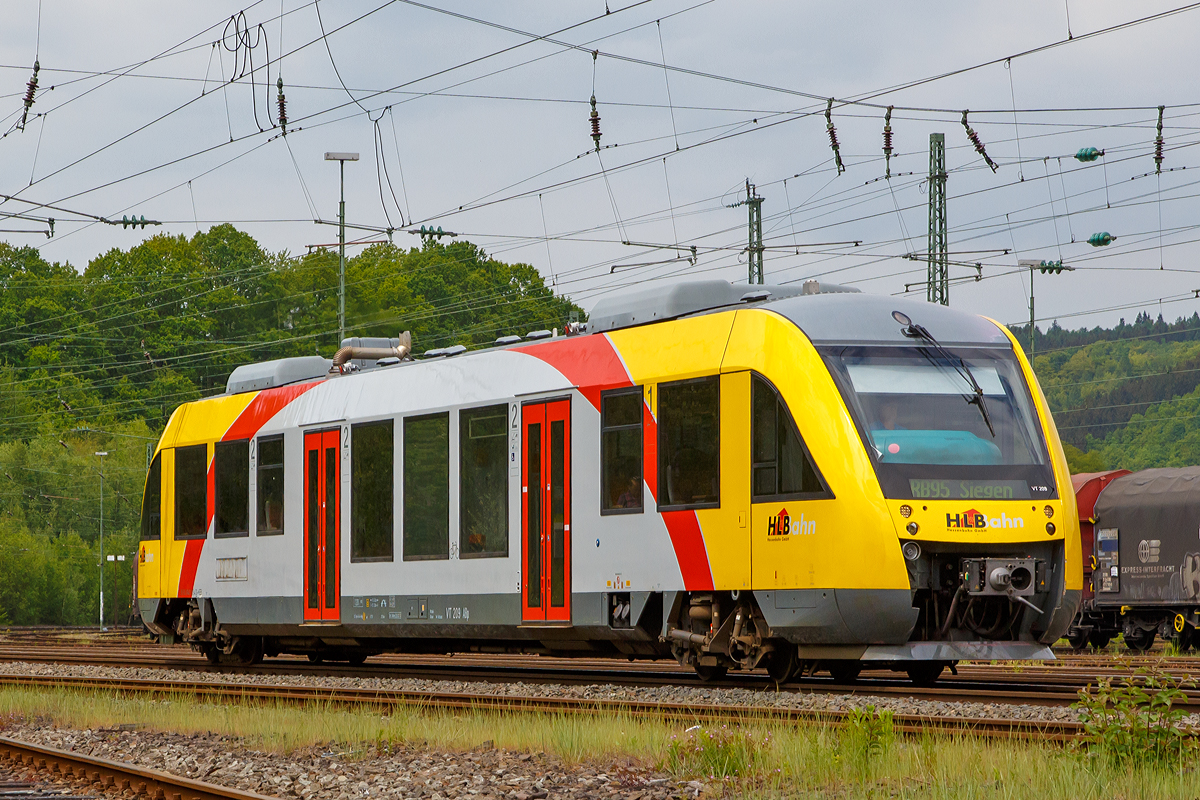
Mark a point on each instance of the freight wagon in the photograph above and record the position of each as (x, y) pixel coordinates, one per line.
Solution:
(1143, 560)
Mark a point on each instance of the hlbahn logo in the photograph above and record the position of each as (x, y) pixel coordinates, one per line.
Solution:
(782, 525)
(973, 520)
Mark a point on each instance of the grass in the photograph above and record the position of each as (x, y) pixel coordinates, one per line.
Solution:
(757, 758)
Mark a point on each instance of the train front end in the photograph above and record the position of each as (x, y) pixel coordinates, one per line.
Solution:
(972, 472)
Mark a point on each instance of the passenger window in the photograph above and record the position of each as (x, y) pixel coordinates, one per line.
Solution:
(689, 444)
(191, 492)
(372, 455)
(232, 478)
(621, 451)
(270, 486)
(483, 481)
(427, 487)
(152, 501)
(782, 466)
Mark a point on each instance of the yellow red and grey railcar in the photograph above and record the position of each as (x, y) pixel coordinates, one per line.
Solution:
(736, 477)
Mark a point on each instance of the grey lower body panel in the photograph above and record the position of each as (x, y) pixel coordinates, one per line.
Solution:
(491, 617)
(839, 616)
(959, 651)
(149, 608)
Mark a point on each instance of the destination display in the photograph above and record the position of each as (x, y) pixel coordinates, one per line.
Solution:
(941, 489)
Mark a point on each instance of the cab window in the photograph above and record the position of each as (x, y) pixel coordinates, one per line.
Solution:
(152, 502)
(191, 492)
(689, 444)
(781, 463)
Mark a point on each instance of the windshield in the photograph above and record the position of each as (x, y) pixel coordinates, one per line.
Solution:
(922, 424)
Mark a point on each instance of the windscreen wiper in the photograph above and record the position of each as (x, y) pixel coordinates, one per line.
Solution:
(916, 331)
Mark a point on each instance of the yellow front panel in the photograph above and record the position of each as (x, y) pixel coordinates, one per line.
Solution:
(726, 530)
(208, 419)
(848, 542)
(168, 565)
(1067, 517)
(1002, 521)
(205, 421)
(676, 350)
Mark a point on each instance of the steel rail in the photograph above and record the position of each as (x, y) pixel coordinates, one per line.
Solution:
(1042, 730)
(105, 775)
(1046, 685)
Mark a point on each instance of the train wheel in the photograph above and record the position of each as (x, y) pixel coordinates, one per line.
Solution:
(845, 671)
(1078, 639)
(925, 673)
(248, 650)
(212, 654)
(356, 659)
(316, 658)
(1140, 641)
(781, 663)
(709, 674)
(1099, 639)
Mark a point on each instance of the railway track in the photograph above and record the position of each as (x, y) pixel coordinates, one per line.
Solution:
(1045, 684)
(375, 699)
(96, 776)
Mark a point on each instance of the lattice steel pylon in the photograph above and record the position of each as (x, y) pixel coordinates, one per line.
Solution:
(938, 286)
(755, 248)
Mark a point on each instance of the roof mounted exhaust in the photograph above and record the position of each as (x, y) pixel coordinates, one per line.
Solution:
(371, 350)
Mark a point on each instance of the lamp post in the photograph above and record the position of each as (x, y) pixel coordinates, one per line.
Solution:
(1052, 267)
(342, 158)
(102, 454)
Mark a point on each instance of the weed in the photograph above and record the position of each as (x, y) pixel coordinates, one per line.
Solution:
(1135, 722)
(722, 752)
(868, 735)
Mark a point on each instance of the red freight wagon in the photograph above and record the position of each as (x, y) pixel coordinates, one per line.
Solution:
(1090, 626)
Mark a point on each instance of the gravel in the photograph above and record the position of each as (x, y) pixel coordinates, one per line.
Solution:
(327, 774)
(690, 695)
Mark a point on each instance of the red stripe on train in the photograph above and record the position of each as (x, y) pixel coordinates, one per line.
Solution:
(589, 362)
(682, 526)
(265, 405)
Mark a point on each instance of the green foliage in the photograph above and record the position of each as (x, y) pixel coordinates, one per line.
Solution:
(1136, 722)
(722, 752)
(868, 735)
(1080, 461)
(98, 360)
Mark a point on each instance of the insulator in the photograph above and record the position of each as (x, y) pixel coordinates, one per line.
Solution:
(595, 118)
(1158, 143)
(31, 91)
(887, 141)
(1087, 154)
(833, 142)
(1103, 239)
(974, 137)
(282, 107)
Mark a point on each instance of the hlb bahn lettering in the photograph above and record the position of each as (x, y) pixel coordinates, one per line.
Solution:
(973, 520)
(782, 525)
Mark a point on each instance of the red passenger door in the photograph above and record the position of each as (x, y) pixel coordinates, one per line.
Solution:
(546, 512)
(321, 523)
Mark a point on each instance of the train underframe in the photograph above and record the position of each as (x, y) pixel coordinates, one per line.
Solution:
(1097, 626)
(965, 601)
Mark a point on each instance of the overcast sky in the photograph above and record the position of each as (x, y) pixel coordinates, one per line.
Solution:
(466, 110)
